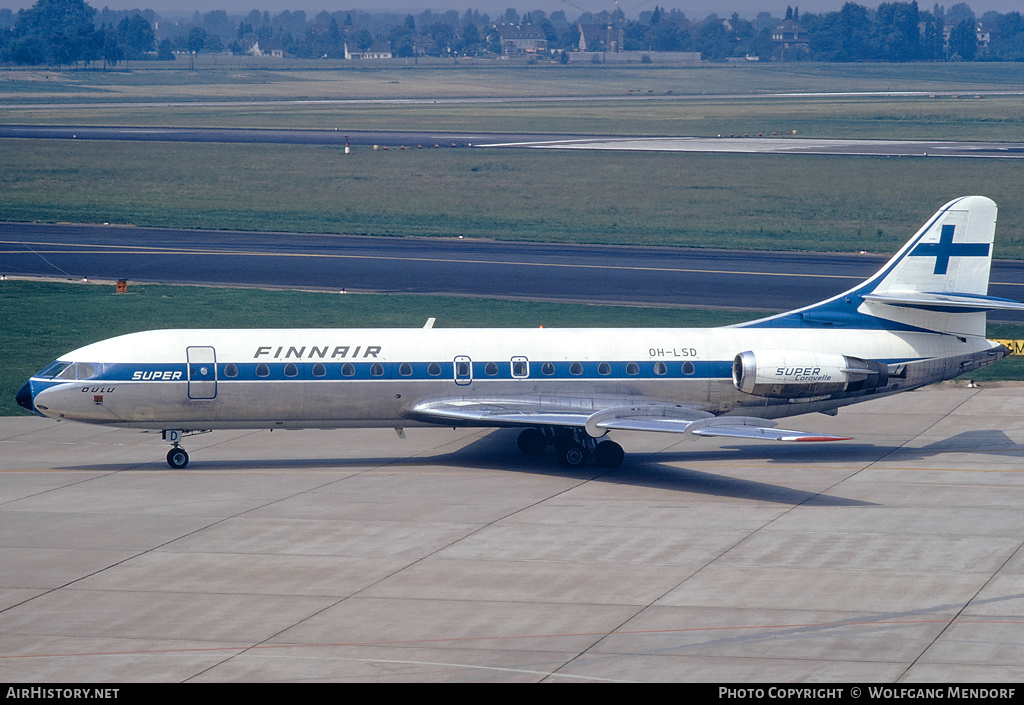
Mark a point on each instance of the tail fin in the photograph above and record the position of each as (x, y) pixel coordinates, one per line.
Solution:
(938, 281)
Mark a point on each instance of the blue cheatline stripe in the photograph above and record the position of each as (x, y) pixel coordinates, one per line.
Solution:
(418, 371)
(334, 371)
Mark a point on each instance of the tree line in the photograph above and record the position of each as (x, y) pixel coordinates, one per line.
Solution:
(72, 33)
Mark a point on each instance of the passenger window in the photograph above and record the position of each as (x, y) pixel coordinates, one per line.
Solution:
(689, 368)
(348, 369)
(319, 369)
(660, 368)
(262, 370)
(490, 369)
(405, 369)
(434, 369)
(520, 367)
(231, 370)
(548, 368)
(632, 368)
(604, 369)
(377, 370)
(291, 370)
(576, 368)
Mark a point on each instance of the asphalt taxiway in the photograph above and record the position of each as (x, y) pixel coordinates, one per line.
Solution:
(355, 556)
(605, 274)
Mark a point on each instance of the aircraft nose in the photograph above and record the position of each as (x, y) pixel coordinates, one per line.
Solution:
(24, 397)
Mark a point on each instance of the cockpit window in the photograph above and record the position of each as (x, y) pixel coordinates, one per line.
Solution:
(72, 370)
(56, 369)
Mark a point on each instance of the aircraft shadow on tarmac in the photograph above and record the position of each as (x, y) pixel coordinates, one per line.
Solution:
(664, 470)
(660, 470)
(639, 470)
(989, 442)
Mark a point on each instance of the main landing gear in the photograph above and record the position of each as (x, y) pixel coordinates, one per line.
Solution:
(573, 447)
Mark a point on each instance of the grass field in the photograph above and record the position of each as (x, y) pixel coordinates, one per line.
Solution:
(645, 100)
(766, 202)
(704, 200)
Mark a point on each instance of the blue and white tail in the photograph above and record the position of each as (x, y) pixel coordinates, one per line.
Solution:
(938, 281)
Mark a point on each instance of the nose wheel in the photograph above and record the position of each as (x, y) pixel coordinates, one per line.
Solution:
(177, 458)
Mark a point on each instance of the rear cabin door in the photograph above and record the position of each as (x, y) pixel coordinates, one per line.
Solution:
(202, 372)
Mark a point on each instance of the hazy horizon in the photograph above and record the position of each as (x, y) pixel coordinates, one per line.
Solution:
(694, 9)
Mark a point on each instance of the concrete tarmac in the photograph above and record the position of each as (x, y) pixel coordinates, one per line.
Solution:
(355, 556)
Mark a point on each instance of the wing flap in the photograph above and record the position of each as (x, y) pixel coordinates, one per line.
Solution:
(599, 419)
(503, 412)
(772, 434)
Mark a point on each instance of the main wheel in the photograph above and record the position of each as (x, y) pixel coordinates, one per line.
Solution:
(572, 455)
(177, 458)
(608, 454)
(532, 442)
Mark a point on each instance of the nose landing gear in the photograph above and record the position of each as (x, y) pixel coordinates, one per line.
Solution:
(177, 458)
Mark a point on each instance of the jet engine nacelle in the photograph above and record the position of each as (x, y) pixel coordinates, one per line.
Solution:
(801, 373)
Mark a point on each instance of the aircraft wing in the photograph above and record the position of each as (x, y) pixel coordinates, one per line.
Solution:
(598, 418)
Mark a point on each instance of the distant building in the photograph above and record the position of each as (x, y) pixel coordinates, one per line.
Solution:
(638, 57)
(422, 44)
(378, 50)
(521, 40)
(601, 37)
(791, 40)
(984, 32)
(271, 47)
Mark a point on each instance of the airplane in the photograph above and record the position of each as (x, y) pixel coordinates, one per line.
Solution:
(919, 320)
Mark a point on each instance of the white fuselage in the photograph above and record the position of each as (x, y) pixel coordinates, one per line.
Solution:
(330, 378)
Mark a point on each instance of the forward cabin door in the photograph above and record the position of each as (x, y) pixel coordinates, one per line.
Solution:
(202, 372)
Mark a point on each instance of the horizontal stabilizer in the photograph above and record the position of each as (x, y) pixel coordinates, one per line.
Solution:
(947, 303)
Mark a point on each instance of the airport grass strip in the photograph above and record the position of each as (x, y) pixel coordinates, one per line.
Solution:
(766, 202)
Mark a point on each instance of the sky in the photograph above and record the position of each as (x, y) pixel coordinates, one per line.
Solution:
(695, 9)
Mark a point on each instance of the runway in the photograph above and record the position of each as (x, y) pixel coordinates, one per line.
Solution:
(735, 144)
(760, 144)
(635, 276)
(353, 556)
